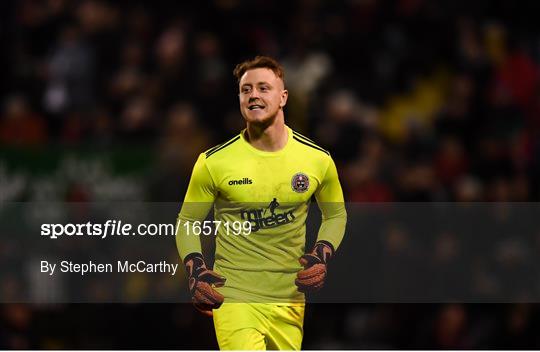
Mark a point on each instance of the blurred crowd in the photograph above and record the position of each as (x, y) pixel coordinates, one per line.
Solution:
(333, 327)
(417, 100)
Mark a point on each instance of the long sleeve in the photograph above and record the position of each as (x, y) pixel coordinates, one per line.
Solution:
(329, 197)
(198, 201)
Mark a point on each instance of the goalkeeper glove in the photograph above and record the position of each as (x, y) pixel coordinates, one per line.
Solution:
(314, 273)
(201, 283)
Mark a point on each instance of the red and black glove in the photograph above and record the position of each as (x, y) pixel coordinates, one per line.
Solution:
(314, 273)
(201, 284)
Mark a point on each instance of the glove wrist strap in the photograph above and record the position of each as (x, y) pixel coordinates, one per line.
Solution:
(323, 250)
(195, 264)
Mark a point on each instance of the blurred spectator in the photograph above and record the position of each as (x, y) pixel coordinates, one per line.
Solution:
(19, 126)
(182, 141)
(516, 330)
(138, 122)
(450, 161)
(450, 329)
(16, 327)
(70, 75)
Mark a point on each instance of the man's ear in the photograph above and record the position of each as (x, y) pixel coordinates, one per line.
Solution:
(284, 96)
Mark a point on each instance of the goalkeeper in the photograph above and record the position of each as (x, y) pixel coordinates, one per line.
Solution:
(264, 177)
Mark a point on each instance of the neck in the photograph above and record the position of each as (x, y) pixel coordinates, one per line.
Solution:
(269, 138)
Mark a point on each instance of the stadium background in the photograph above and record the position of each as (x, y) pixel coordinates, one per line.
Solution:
(417, 100)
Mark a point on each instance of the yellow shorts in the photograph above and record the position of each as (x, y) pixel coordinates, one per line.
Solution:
(259, 326)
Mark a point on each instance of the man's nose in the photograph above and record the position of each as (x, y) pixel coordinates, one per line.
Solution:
(254, 94)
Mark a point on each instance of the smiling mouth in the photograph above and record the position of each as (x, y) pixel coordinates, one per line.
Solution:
(256, 107)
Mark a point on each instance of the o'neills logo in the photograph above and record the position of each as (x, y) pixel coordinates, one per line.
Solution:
(244, 181)
(265, 218)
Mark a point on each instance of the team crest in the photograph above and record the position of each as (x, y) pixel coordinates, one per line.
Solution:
(300, 182)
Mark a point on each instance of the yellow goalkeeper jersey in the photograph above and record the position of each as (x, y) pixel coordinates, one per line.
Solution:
(271, 191)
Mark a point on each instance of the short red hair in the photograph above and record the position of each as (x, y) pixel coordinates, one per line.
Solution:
(259, 62)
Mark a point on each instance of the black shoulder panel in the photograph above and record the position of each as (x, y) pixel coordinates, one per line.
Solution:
(309, 143)
(221, 146)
